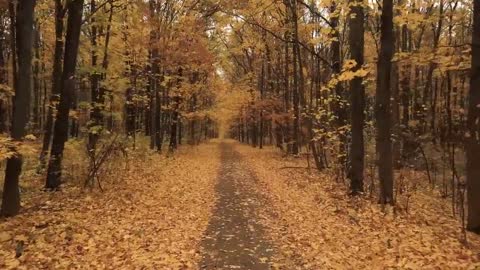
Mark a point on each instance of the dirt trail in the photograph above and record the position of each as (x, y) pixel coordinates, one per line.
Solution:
(234, 238)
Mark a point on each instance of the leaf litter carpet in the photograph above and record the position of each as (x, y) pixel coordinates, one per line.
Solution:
(224, 205)
(152, 218)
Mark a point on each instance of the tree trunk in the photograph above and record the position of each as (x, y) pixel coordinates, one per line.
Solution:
(357, 97)
(408, 145)
(97, 100)
(13, 40)
(173, 128)
(338, 104)
(296, 87)
(37, 92)
(60, 135)
(382, 106)
(175, 116)
(21, 102)
(180, 131)
(158, 123)
(3, 80)
(473, 125)
(130, 112)
(56, 81)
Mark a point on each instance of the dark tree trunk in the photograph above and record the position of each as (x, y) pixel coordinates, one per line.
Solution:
(13, 40)
(408, 146)
(130, 112)
(173, 126)
(254, 130)
(21, 103)
(338, 104)
(158, 117)
(153, 84)
(97, 100)
(192, 140)
(296, 87)
(261, 87)
(13, 46)
(56, 81)
(383, 105)
(286, 95)
(175, 116)
(147, 118)
(473, 125)
(37, 91)
(152, 110)
(3, 79)
(357, 97)
(429, 80)
(60, 135)
(180, 131)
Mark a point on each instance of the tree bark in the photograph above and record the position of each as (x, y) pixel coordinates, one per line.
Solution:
(97, 101)
(383, 104)
(56, 81)
(60, 135)
(473, 125)
(339, 102)
(21, 102)
(357, 97)
(4, 106)
(37, 92)
(175, 116)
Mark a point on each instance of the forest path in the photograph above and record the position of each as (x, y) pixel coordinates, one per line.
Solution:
(234, 238)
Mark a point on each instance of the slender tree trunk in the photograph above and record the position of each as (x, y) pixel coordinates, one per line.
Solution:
(3, 79)
(37, 92)
(152, 111)
(408, 145)
(296, 89)
(158, 118)
(13, 40)
(357, 97)
(60, 135)
(175, 116)
(21, 102)
(180, 131)
(286, 94)
(261, 124)
(130, 112)
(56, 81)
(338, 104)
(173, 127)
(97, 100)
(473, 125)
(383, 105)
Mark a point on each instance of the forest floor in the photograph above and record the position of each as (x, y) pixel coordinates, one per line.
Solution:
(224, 205)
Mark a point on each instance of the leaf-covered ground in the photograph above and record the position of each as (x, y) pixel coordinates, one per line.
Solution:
(220, 204)
(317, 226)
(153, 217)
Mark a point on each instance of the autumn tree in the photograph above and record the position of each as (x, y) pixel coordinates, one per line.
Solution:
(24, 53)
(60, 134)
(357, 96)
(473, 132)
(383, 105)
(60, 11)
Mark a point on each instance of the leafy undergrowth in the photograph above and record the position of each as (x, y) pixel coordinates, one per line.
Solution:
(317, 226)
(153, 217)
